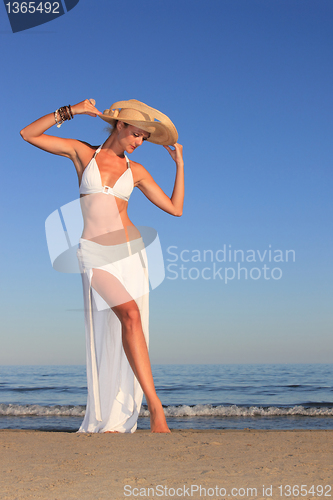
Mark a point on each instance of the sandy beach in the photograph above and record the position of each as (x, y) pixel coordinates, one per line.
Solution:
(185, 464)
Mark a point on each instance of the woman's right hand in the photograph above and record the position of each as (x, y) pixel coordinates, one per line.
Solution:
(86, 107)
(70, 148)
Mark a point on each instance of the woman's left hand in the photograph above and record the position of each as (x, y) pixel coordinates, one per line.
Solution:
(177, 153)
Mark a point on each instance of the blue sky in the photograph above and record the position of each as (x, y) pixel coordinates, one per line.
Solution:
(248, 84)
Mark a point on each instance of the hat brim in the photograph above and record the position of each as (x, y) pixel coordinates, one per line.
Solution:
(159, 133)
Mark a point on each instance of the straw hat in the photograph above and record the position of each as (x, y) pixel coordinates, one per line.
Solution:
(162, 130)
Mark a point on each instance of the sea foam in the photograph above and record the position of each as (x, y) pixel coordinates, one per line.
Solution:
(174, 411)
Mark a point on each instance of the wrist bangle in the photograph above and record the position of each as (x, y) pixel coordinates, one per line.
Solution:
(56, 118)
(63, 114)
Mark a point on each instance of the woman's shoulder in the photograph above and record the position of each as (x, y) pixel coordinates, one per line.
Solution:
(84, 147)
(137, 167)
(139, 172)
(83, 154)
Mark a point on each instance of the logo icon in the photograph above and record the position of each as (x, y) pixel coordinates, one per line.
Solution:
(63, 235)
(26, 15)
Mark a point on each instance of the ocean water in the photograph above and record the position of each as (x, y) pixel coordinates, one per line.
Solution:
(298, 396)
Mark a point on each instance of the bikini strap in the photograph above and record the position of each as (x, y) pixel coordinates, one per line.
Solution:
(127, 161)
(97, 151)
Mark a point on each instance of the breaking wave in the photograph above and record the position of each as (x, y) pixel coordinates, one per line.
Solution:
(222, 411)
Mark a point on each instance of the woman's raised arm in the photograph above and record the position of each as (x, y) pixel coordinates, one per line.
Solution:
(156, 195)
(35, 132)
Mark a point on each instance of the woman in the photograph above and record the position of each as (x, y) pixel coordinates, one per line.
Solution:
(112, 256)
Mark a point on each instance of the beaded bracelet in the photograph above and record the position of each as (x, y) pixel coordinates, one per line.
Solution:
(56, 118)
(65, 113)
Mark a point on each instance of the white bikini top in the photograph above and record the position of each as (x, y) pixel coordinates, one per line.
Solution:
(92, 182)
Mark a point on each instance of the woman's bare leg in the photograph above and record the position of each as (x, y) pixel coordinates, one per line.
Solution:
(136, 351)
(134, 342)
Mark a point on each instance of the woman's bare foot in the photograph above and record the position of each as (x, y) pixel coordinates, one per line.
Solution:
(111, 432)
(157, 418)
